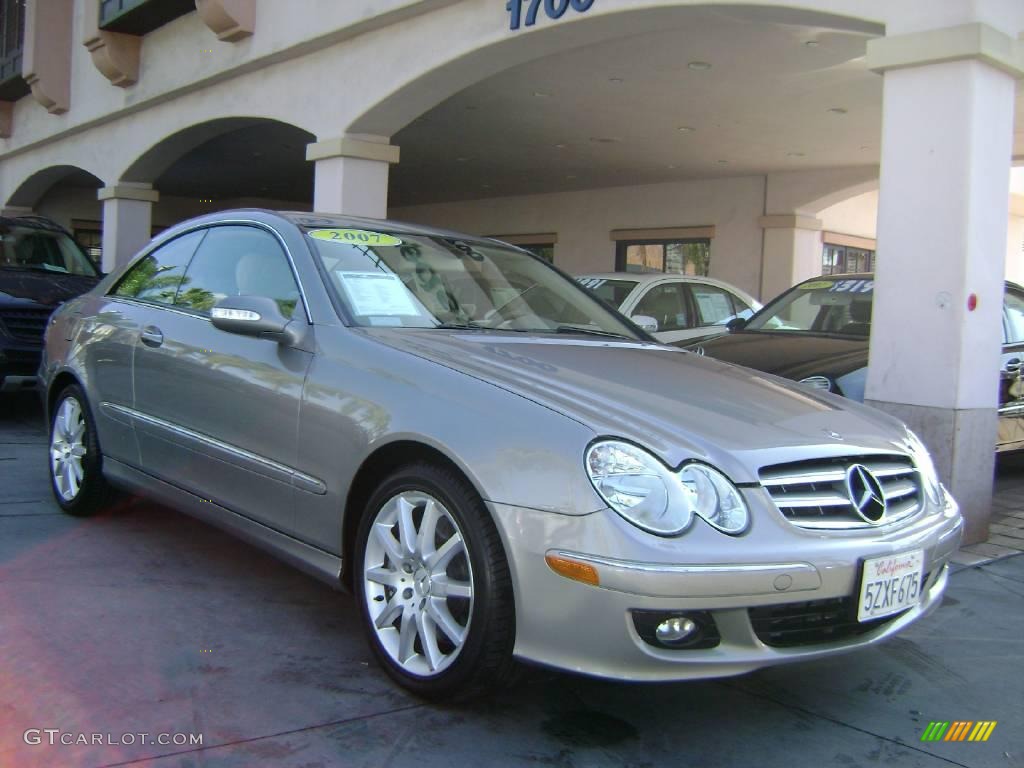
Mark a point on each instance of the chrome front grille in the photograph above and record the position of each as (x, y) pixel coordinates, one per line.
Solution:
(814, 493)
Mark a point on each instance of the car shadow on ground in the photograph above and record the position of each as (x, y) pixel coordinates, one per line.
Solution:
(145, 620)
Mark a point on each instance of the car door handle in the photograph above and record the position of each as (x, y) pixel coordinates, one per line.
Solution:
(1013, 365)
(151, 336)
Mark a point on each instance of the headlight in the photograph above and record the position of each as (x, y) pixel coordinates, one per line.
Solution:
(714, 498)
(818, 382)
(925, 468)
(650, 496)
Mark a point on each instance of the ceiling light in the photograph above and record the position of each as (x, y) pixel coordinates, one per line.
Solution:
(571, 176)
(543, 94)
(461, 159)
(722, 162)
(811, 43)
(837, 110)
(615, 80)
(485, 186)
(471, 108)
(795, 154)
(699, 66)
(686, 129)
(605, 139)
(671, 167)
(561, 146)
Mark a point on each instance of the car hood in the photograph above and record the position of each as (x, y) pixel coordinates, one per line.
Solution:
(27, 288)
(788, 355)
(677, 404)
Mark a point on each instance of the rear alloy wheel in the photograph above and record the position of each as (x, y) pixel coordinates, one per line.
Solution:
(75, 461)
(434, 585)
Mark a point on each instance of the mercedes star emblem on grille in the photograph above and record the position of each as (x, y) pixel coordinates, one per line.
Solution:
(865, 493)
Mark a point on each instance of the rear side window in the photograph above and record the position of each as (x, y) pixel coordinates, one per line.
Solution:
(714, 304)
(158, 276)
(238, 261)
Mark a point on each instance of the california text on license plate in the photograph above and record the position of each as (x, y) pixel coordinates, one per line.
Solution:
(890, 584)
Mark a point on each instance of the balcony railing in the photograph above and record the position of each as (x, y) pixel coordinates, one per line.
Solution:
(12, 43)
(137, 17)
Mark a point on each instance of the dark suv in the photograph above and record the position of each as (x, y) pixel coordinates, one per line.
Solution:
(41, 267)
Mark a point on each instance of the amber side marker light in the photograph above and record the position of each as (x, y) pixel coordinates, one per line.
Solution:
(573, 569)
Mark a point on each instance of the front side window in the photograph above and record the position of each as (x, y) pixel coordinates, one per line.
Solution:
(157, 277)
(820, 306)
(666, 304)
(42, 250)
(420, 281)
(238, 261)
(1014, 304)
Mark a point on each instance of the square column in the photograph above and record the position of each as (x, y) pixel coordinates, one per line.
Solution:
(351, 175)
(791, 252)
(127, 221)
(942, 225)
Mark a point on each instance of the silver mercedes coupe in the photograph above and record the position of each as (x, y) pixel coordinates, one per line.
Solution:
(498, 465)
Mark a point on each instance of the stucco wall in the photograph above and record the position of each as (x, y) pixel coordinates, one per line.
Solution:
(857, 215)
(583, 221)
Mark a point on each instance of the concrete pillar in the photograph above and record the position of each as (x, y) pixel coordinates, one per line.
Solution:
(127, 221)
(947, 127)
(351, 175)
(792, 252)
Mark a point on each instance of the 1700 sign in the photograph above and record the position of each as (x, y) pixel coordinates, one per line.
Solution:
(553, 9)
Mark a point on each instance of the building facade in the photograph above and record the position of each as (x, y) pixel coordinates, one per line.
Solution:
(762, 142)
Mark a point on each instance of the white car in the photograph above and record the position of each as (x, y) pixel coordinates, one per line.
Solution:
(672, 307)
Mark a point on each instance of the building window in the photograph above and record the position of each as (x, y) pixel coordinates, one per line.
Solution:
(12, 45)
(842, 259)
(691, 256)
(545, 251)
(542, 245)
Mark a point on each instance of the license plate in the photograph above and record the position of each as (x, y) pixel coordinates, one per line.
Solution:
(890, 584)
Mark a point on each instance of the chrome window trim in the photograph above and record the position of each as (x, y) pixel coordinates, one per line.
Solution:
(298, 479)
(209, 225)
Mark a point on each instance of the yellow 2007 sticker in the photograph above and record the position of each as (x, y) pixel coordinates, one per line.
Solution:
(816, 284)
(355, 237)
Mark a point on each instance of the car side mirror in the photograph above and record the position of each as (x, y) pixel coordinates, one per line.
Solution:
(646, 322)
(736, 324)
(257, 316)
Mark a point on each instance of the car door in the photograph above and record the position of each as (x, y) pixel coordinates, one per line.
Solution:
(668, 303)
(217, 412)
(109, 334)
(1011, 385)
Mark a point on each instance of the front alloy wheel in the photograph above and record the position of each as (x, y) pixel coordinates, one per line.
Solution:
(418, 583)
(434, 585)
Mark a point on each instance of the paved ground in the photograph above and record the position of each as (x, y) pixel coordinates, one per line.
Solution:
(147, 621)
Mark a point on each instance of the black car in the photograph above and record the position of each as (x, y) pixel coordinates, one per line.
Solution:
(817, 333)
(41, 267)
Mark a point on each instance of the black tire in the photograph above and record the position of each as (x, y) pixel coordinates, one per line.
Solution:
(484, 660)
(94, 493)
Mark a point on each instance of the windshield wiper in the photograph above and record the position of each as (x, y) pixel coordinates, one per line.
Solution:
(591, 332)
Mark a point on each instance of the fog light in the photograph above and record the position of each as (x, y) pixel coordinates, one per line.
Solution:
(674, 630)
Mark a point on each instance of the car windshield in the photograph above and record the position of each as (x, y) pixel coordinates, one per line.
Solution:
(43, 250)
(424, 281)
(612, 291)
(833, 305)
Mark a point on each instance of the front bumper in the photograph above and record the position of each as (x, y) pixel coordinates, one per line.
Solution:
(588, 629)
(19, 365)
